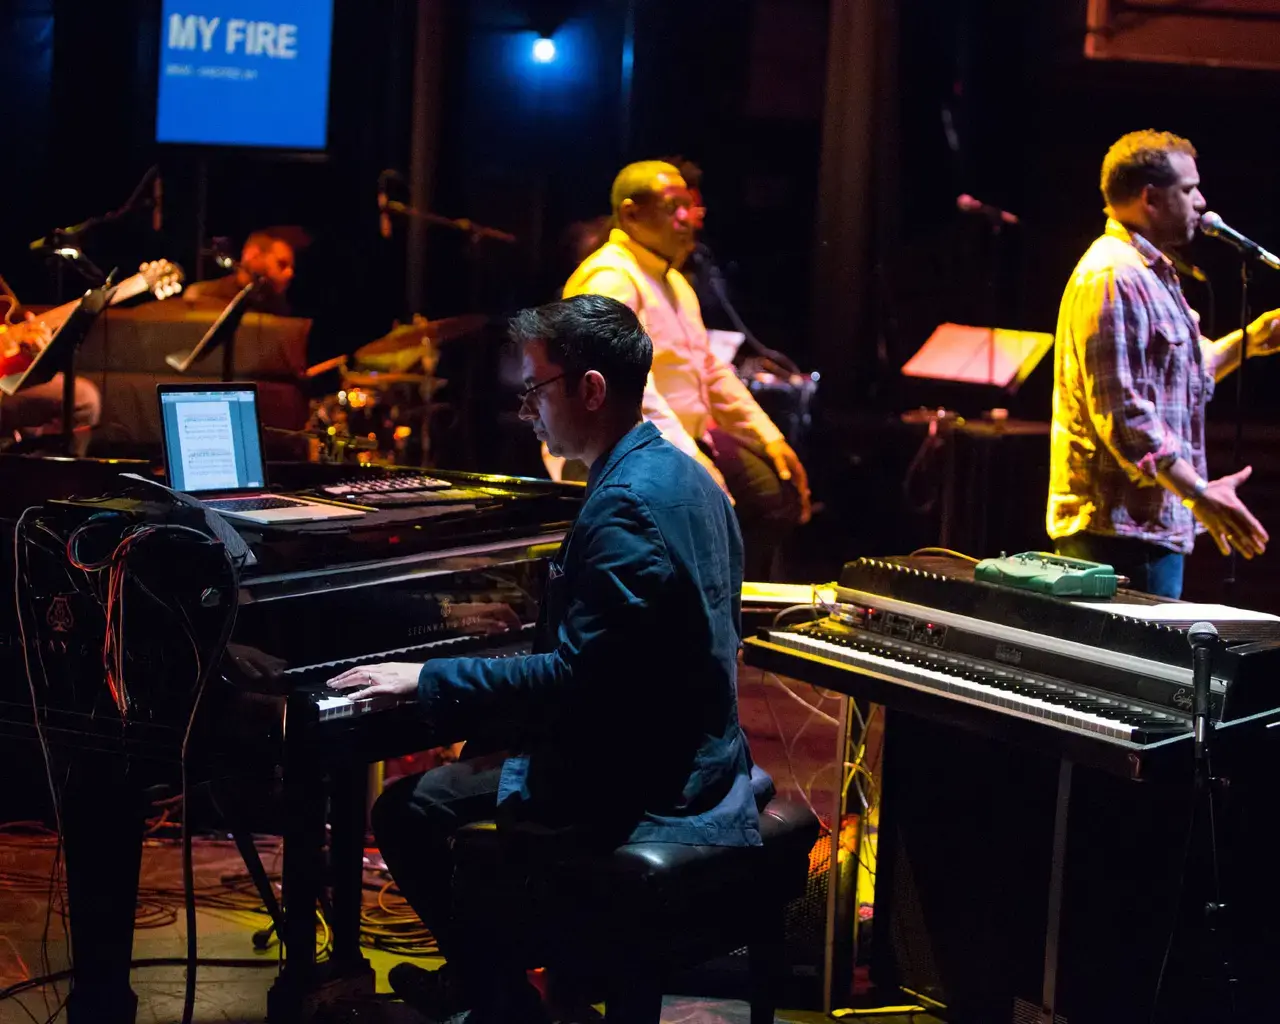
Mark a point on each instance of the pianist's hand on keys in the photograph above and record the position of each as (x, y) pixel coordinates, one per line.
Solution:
(390, 678)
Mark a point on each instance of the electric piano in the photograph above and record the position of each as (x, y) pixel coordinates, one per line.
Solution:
(1110, 682)
(1035, 841)
(438, 573)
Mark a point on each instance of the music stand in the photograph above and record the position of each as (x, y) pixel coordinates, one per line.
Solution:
(989, 356)
(59, 356)
(222, 333)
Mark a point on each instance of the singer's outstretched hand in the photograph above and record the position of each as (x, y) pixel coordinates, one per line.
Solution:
(1264, 334)
(1229, 522)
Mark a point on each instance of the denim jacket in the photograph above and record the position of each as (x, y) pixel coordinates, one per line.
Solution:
(628, 712)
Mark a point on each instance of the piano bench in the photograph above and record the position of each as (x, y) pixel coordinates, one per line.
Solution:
(615, 925)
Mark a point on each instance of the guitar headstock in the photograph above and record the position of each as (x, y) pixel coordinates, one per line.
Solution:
(164, 279)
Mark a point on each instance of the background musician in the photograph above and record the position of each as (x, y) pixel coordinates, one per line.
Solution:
(1132, 376)
(270, 256)
(693, 397)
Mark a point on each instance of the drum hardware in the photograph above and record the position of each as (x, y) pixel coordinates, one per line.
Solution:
(382, 409)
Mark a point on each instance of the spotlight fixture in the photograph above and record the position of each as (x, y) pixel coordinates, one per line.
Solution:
(544, 50)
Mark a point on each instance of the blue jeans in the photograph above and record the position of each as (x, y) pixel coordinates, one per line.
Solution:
(1150, 568)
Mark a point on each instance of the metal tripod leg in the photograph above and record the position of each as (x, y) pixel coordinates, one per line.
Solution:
(253, 862)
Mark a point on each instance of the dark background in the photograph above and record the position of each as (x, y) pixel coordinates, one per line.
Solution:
(739, 87)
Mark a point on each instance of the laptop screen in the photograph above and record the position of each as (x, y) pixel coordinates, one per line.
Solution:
(211, 438)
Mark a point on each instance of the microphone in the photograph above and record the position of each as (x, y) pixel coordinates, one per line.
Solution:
(1203, 638)
(968, 204)
(384, 218)
(157, 203)
(1215, 227)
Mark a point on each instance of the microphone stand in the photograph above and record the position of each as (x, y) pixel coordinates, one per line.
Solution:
(1204, 641)
(65, 242)
(995, 267)
(470, 227)
(1237, 448)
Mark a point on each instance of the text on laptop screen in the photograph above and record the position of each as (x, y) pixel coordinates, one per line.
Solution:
(211, 440)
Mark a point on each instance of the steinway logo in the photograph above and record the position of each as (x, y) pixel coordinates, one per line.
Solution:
(1009, 655)
(60, 617)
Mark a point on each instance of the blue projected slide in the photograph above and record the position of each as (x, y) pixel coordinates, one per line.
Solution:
(245, 72)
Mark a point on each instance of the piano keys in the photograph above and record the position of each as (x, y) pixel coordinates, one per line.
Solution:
(1002, 689)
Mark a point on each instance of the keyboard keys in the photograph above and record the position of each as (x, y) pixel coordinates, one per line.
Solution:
(260, 504)
(999, 687)
(386, 484)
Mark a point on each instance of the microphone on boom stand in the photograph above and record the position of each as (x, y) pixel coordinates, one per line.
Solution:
(1215, 227)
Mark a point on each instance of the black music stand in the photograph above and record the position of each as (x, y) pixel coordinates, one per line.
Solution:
(223, 332)
(60, 356)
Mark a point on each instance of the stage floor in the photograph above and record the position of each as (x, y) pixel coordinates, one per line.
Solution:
(223, 994)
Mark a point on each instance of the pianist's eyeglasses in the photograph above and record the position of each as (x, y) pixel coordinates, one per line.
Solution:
(526, 393)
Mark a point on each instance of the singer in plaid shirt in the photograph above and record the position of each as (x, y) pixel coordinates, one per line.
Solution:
(1132, 377)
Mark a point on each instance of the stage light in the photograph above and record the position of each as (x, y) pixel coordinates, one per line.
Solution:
(544, 50)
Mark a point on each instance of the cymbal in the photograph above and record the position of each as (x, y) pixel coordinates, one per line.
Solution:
(421, 331)
(374, 378)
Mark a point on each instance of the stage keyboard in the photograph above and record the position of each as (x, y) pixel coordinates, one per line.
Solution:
(1105, 687)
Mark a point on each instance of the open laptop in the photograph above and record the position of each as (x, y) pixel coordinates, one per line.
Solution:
(212, 439)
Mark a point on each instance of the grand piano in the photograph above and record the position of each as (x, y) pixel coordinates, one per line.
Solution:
(428, 572)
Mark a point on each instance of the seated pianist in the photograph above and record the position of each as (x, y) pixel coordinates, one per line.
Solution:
(623, 726)
(269, 256)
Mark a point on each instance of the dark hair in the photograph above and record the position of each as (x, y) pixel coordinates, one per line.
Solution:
(591, 332)
(1140, 159)
(290, 234)
(690, 171)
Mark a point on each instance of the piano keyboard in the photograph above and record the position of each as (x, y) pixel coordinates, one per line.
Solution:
(1002, 689)
(330, 705)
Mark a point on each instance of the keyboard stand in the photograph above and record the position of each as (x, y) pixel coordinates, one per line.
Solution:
(1057, 869)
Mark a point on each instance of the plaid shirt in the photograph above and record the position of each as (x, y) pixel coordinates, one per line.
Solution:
(1129, 393)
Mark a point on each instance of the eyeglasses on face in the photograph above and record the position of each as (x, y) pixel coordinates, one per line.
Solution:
(673, 203)
(526, 393)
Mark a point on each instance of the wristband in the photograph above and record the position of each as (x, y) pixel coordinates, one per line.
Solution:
(1197, 492)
